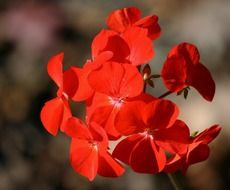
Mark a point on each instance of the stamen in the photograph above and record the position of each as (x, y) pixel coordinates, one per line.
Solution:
(116, 101)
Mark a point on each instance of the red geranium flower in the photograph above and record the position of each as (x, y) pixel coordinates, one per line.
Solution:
(197, 151)
(133, 46)
(154, 129)
(84, 90)
(89, 154)
(122, 19)
(113, 83)
(182, 68)
(113, 89)
(56, 111)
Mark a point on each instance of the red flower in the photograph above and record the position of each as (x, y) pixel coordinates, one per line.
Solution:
(114, 84)
(112, 87)
(154, 129)
(197, 151)
(84, 90)
(122, 19)
(133, 46)
(182, 68)
(89, 154)
(56, 111)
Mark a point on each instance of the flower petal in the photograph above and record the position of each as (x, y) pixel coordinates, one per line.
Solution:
(151, 24)
(117, 80)
(140, 45)
(201, 79)
(70, 82)
(124, 148)
(160, 114)
(84, 158)
(105, 116)
(76, 128)
(120, 20)
(107, 78)
(108, 40)
(197, 152)
(132, 82)
(129, 119)
(208, 135)
(174, 73)
(54, 114)
(54, 68)
(174, 139)
(147, 157)
(99, 135)
(84, 90)
(109, 167)
(174, 163)
(188, 51)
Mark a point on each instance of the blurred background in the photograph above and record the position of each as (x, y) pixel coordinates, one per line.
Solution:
(32, 31)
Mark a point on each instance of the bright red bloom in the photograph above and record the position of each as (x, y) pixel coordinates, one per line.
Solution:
(197, 151)
(133, 46)
(84, 90)
(182, 68)
(113, 83)
(117, 105)
(123, 19)
(154, 129)
(56, 111)
(89, 154)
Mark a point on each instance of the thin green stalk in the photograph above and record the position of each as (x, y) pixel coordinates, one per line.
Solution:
(175, 182)
(165, 94)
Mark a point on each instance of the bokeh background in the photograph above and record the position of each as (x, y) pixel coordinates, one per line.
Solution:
(32, 31)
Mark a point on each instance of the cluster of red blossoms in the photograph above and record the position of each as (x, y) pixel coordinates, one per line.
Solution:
(112, 84)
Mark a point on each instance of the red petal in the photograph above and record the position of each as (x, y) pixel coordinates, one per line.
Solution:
(76, 128)
(151, 24)
(174, 73)
(174, 139)
(174, 164)
(197, 153)
(128, 120)
(97, 100)
(102, 111)
(84, 90)
(124, 148)
(105, 116)
(54, 68)
(108, 167)
(117, 80)
(208, 135)
(107, 79)
(66, 112)
(121, 19)
(70, 82)
(108, 40)
(54, 114)
(132, 82)
(99, 135)
(141, 47)
(160, 114)
(147, 157)
(201, 79)
(188, 51)
(84, 158)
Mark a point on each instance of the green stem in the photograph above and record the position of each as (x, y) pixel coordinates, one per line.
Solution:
(165, 94)
(175, 182)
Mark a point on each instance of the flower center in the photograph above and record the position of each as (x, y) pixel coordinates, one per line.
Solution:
(94, 145)
(116, 101)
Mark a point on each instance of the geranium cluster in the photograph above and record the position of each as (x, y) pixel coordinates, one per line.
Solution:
(112, 84)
